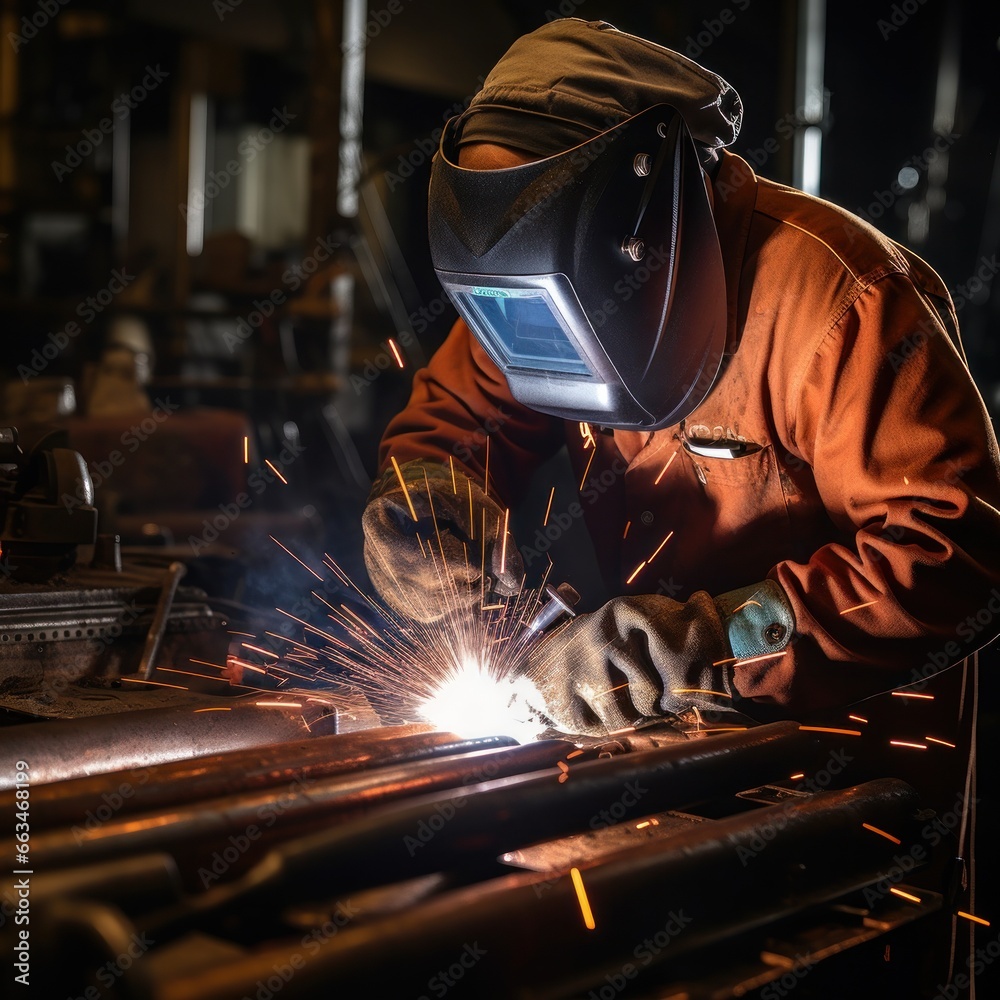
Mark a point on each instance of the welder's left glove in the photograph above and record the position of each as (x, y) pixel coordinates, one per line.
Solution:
(426, 550)
(640, 657)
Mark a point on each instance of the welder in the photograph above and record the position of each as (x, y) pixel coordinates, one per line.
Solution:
(772, 394)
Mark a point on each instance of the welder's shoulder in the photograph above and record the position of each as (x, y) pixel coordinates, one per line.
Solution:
(830, 241)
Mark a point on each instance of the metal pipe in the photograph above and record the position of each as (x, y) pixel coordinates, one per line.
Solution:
(67, 748)
(474, 824)
(236, 827)
(523, 936)
(77, 801)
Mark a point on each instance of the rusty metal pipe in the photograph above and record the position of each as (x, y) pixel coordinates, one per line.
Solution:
(79, 801)
(68, 748)
(525, 933)
(242, 823)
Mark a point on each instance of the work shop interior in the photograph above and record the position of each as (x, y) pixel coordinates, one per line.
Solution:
(499, 499)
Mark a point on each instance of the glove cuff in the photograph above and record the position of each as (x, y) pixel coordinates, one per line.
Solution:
(757, 619)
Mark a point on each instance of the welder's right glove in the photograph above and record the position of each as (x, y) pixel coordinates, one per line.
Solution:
(643, 656)
(431, 566)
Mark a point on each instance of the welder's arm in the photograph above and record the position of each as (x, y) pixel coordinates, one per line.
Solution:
(426, 550)
(643, 656)
(906, 464)
(459, 400)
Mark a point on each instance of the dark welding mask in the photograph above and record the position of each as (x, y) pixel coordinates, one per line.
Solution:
(592, 278)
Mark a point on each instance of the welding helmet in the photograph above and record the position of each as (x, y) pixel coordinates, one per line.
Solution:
(593, 278)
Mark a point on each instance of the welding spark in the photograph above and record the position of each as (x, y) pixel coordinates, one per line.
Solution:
(944, 743)
(905, 895)
(656, 481)
(975, 919)
(548, 509)
(274, 469)
(858, 607)
(581, 895)
(586, 471)
(395, 353)
(912, 694)
(824, 729)
(881, 833)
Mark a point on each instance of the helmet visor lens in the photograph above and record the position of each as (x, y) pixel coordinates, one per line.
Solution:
(523, 326)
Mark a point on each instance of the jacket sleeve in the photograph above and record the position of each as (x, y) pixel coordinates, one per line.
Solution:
(906, 465)
(458, 401)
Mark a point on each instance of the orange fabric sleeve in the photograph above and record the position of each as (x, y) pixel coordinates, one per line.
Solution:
(906, 465)
(459, 400)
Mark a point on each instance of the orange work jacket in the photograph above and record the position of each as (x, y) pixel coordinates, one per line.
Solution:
(869, 481)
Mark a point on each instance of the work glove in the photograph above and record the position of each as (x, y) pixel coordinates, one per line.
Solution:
(644, 656)
(454, 518)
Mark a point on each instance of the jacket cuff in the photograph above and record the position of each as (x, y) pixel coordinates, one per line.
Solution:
(757, 619)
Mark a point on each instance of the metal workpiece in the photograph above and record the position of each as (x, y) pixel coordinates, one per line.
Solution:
(473, 824)
(193, 833)
(69, 748)
(77, 801)
(524, 936)
(501, 815)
